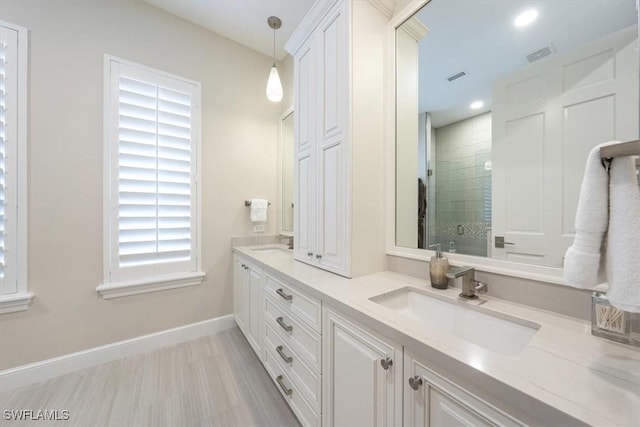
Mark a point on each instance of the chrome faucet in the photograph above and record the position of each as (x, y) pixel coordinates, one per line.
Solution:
(290, 242)
(469, 284)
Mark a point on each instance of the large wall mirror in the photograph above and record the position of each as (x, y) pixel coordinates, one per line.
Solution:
(498, 103)
(286, 163)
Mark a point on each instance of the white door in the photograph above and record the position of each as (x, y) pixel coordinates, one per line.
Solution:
(357, 389)
(304, 136)
(256, 328)
(240, 295)
(431, 400)
(546, 118)
(331, 164)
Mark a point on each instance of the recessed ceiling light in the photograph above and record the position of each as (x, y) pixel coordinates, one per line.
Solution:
(476, 104)
(525, 18)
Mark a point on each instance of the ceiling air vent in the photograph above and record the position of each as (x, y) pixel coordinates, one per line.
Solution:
(541, 53)
(457, 76)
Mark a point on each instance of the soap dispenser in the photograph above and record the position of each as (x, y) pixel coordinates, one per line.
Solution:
(438, 268)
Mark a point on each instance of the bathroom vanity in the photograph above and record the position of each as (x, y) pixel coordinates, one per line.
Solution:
(363, 351)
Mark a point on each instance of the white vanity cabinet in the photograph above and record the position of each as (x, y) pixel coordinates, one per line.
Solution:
(247, 301)
(431, 400)
(338, 98)
(362, 375)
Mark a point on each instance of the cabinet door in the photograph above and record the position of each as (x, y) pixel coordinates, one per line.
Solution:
(240, 295)
(357, 389)
(256, 317)
(331, 153)
(430, 400)
(304, 227)
(304, 135)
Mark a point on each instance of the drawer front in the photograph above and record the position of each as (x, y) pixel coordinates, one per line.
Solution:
(293, 333)
(291, 393)
(306, 379)
(307, 308)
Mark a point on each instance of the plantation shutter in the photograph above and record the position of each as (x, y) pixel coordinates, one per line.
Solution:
(8, 158)
(154, 177)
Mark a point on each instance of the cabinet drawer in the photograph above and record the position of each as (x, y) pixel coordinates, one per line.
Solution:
(306, 379)
(307, 308)
(293, 333)
(291, 393)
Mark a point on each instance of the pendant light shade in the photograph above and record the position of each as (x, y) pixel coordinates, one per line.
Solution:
(274, 86)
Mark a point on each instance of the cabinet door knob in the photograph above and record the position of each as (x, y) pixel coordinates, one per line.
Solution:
(318, 256)
(287, 328)
(415, 382)
(386, 363)
(309, 253)
(286, 297)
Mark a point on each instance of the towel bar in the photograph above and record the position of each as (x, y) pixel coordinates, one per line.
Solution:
(629, 148)
(248, 203)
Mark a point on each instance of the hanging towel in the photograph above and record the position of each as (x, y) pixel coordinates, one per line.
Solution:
(583, 266)
(259, 210)
(623, 237)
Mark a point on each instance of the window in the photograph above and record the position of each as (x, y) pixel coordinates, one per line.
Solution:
(13, 168)
(152, 133)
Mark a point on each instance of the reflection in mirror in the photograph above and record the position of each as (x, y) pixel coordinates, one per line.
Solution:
(495, 118)
(286, 171)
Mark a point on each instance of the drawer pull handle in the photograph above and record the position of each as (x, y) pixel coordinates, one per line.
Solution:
(309, 254)
(318, 256)
(415, 382)
(286, 358)
(283, 325)
(284, 388)
(283, 295)
(386, 363)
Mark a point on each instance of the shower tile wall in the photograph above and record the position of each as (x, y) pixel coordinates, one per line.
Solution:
(463, 185)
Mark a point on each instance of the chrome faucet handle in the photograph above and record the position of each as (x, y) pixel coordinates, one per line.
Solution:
(480, 287)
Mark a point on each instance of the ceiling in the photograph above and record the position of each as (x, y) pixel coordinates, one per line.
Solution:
(479, 37)
(244, 21)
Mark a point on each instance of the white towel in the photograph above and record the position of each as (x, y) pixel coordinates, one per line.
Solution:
(623, 238)
(259, 210)
(583, 267)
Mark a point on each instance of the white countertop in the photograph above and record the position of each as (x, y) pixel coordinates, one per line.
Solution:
(593, 380)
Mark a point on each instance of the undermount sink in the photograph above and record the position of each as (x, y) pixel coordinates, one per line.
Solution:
(495, 332)
(273, 250)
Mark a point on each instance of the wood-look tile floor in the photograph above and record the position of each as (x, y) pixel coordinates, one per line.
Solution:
(211, 381)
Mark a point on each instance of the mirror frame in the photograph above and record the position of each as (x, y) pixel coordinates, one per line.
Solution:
(489, 265)
(284, 115)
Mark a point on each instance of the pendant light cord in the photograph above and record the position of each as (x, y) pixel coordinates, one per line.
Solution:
(274, 47)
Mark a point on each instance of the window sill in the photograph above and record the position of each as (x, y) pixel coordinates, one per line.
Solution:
(15, 302)
(149, 284)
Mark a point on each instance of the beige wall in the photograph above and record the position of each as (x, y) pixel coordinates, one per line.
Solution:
(68, 41)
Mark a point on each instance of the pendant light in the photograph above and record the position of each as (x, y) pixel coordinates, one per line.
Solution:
(274, 87)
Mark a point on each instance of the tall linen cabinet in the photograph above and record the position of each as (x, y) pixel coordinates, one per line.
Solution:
(338, 52)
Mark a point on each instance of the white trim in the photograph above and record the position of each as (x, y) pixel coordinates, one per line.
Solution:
(506, 268)
(15, 302)
(72, 362)
(311, 20)
(279, 210)
(20, 300)
(149, 284)
(384, 6)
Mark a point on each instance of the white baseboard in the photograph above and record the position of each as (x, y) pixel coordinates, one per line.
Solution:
(51, 368)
